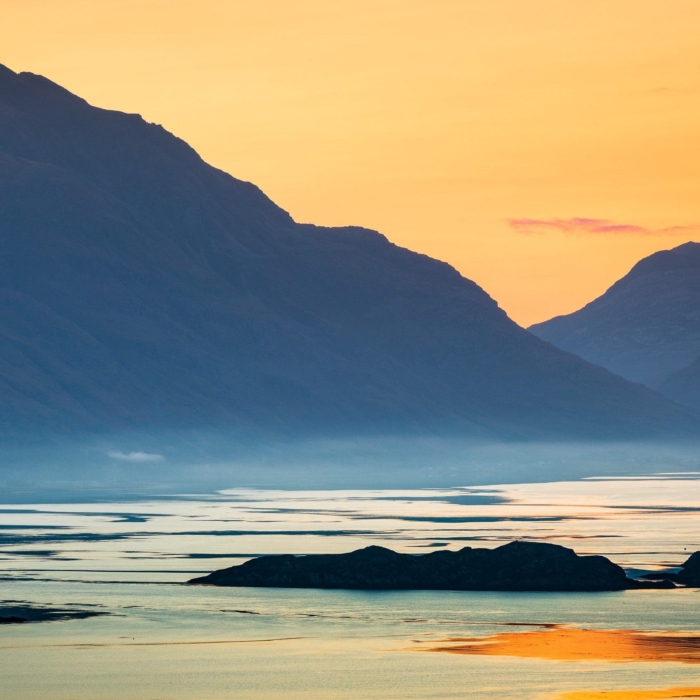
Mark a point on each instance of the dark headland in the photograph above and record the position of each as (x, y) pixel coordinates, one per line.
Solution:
(518, 566)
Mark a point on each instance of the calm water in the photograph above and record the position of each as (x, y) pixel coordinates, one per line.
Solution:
(164, 640)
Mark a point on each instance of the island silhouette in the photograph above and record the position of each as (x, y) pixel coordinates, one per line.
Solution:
(517, 566)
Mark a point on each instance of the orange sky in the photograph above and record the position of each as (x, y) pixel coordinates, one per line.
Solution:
(433, 122)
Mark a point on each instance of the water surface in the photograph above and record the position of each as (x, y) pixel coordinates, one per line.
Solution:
(165, 640)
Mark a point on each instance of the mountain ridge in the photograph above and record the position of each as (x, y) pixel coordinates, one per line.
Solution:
(140, 286)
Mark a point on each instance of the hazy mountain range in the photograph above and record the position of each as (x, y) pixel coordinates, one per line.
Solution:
(646, 327)
(141, 287)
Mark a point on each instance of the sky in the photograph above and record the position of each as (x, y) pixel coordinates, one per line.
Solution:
(541, 147)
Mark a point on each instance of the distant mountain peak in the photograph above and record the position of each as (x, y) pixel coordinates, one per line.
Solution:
(646, 326)
(682, 257)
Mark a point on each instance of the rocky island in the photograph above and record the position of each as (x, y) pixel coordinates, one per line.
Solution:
(688, 576)
(517, 566)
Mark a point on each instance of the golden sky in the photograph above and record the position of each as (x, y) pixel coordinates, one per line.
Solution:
(539, 146)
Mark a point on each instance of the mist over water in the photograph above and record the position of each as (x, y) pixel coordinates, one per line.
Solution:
(117, 524)
(133, 464)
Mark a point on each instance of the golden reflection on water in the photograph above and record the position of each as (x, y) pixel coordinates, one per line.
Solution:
(571, 644)
(668, 693)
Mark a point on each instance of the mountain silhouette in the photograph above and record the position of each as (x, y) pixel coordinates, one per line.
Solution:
(646, 326)
(141, 287)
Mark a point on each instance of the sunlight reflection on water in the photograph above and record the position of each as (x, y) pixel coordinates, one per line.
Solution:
(164, 640)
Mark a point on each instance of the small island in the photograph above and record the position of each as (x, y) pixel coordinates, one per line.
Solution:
(688, 575)
(517, 566)
(18, 612)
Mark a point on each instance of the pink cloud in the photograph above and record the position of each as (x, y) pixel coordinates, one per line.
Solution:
(582, 225)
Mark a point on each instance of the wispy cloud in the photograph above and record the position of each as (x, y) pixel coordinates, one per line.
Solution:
(582, 225)
(136, 456)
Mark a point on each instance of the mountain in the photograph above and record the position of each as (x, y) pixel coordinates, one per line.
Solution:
(142, 288)
(684, 386)
(646, 326)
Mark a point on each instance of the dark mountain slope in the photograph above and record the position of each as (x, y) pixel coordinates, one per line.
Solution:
(684, 386)
(646, 326)
(140, 287)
